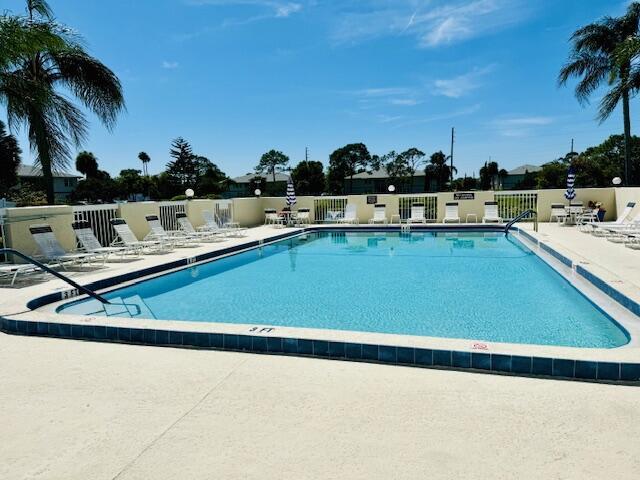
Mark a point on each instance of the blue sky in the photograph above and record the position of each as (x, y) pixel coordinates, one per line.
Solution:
(239, 77)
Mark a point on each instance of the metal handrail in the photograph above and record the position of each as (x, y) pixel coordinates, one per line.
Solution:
(47, 269)
(519, 217)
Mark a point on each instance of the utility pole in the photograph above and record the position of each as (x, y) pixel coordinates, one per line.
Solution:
(306, 154)
(453, 134)
(572, 145)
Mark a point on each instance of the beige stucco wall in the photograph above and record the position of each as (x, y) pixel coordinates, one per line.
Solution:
(475, 206)
(248, 211)
(195, 208)
(134, 213)
(18, 220)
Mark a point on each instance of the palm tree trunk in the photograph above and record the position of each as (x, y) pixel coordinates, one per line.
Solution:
(38, 137)
(627, 140)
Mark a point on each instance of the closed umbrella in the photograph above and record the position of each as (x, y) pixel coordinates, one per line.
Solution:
(291, 193)
(570, 194)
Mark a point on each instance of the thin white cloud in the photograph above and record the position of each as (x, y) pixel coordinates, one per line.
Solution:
(170, 65)
(460, 85)
(434, 23)
(278, 8)
(437, 117)
(520, 126)
(404, 102)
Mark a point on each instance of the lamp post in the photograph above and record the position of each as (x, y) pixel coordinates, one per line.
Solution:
(189, 193)
(616, 181)
(258, 192)
(392, 188)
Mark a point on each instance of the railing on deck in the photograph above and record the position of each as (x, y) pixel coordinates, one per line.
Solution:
(513, 203)
(327, 209)
(168, 212)
(429, 200)
(98, 217)
(3, 237)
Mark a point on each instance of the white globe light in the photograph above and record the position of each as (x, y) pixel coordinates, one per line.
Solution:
(258, 192)
(392, 188)
(616, 181)
(189, 192)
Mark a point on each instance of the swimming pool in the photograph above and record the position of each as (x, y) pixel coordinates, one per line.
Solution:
(471, 285)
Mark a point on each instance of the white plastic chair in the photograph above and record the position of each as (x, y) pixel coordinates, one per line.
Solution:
(89, 242)
(350, 214)
(271, 217)
(379, 214)
(125, 237)
(491, 213)
(451, 213)
(157, 232)
(187, 227)
(303, 216)
(559, 212)
(417, 214)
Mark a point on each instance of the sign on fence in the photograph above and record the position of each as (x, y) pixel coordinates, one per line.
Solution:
(372, 199)
(464, 196)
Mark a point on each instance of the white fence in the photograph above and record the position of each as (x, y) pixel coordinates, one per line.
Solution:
(327, 209)
(168, 212)
(429, 201)
(511, 204)
(99, 217)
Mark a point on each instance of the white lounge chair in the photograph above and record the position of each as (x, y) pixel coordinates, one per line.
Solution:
(491, 213)
(232, 228)
(559, 212)
(599, 229)
(51, 250)
(451, 213)
(11, 271)
(350, 214)
(89, 243)
(587, 218)
(125, 237)
(379, 214)
(187, 227)
(174, 237)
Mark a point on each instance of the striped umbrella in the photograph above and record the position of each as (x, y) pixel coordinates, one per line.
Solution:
(291, 193)
(570, 194)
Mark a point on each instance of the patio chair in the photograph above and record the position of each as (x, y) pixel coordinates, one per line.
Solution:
(491, 213)
(11, 271)
(559, 212)
(350, 214)
(174, 237)
(586, 218)
(187, 227)
(417, 214)
(303, 217)
(233, 228)
(451, 213)
(271, 217)
(379, 214)
(89, 243)
(600, 229)
(51, 250)
(211, 225)
(125, 237)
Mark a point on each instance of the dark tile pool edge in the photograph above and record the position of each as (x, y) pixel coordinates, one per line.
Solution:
(596, 281)
(517, 365)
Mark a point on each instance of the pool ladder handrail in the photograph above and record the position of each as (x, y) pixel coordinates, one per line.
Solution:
(47, 269)
(520, 217)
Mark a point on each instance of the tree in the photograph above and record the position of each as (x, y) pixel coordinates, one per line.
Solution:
(438, 170)
(31, 75)
(601, 53)
(272, 162)
(397, 169)
(87, 164)
(145, 159)
(346, 162)
(413, 158)
(489, 175)
(308, 178)
(130, 182)
(9, 161)
(502, 175)
(183, 169)
(100, 188)
(209, 177)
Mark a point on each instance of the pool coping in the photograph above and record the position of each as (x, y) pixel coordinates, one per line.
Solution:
(620, 364)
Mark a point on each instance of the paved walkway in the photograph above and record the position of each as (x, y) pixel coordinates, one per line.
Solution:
(80, 410)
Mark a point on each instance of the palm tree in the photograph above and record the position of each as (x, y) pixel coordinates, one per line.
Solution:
(9, 161)
(144, 158)
(29, 83)
(87, 164)
(597, 56)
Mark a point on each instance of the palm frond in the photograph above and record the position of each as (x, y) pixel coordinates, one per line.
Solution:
(95, 85)
(610, 101)
(41, 7)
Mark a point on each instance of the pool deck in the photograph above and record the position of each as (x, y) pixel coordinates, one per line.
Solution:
(79, 410)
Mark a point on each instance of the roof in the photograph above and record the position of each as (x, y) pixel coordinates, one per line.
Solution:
(522, 169)
(280, 177)
(380, 173)
(25, 170)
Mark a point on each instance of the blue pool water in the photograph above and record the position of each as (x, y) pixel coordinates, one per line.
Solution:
(481, 286)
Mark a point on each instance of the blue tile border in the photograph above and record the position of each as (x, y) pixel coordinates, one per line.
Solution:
(609, 372)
